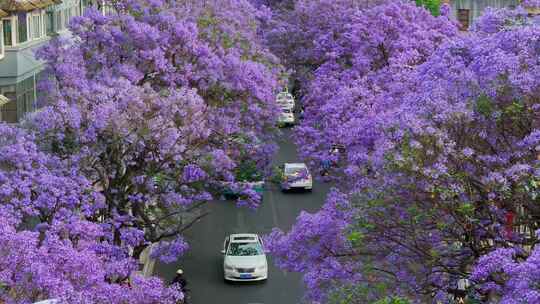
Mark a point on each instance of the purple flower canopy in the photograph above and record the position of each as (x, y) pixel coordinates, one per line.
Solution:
(141, 109)
(151, 110)
(440, 136)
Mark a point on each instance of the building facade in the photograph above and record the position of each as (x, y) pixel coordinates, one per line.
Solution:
(24, 27)
(466, 11)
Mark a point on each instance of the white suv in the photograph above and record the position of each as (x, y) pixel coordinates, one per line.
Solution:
(244, 258)
(285, 100)
(286, 117)
(296, 175)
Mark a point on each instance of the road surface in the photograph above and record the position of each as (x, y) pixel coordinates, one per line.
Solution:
(202, 265)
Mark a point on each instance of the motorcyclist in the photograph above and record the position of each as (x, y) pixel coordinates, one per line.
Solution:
(325, 164)
(180, 280)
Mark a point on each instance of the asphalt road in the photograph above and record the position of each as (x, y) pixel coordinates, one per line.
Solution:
(203, 266)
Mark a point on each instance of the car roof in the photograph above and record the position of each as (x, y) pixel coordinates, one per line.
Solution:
(284, 101)
(243, 237)
(295, 165)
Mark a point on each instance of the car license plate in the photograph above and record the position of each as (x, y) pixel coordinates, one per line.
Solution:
(245, 276)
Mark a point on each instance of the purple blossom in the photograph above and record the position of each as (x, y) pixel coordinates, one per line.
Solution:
(193, 173)
(169, 251)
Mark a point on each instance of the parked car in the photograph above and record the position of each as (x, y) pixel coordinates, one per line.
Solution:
(286, 117)
(285, 100)
(244, 258)
(296, 175)
(337, 149)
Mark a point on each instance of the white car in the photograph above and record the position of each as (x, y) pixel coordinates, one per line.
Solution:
(285, 100)
(296, 175)
(244, 258)
(286, 117)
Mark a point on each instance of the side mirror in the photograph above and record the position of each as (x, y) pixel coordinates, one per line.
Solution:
(223, 251)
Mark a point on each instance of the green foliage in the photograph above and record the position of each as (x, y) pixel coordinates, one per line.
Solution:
(433, 6)
(515, 111)
(466, 209)
(349, 294)
(393, 300)
(355, 294)
(247, 171)
(472, 301)
(277, 175)
(355, 238)
(484, 106)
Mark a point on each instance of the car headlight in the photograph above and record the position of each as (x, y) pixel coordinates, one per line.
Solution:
(229, 267)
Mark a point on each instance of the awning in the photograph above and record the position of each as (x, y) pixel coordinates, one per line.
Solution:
(23, 5)
(42, 3)
(533, 11)
(3, 100)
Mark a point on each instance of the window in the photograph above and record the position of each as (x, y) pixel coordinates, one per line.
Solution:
(86, 4)
(49, 23)
(7, 29)
(463, 18)
(67, 13)
(1, 43)
(36, 26)
(22, 27)
(59, 24)
(245, 249)
(9, 110)
(25, 97)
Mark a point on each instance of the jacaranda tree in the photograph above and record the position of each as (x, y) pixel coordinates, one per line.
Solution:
(149, 110)
(305, 34)
(66, 257)
(157, 104)
(440, 166)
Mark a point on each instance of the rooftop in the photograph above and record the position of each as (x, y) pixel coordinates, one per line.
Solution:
(12, 6)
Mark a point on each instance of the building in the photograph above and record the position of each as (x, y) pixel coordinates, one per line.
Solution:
(25, 26)
(466, 11)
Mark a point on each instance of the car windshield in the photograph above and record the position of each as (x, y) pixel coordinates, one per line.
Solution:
(284, 95)
(295, 170)
(245, 249)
